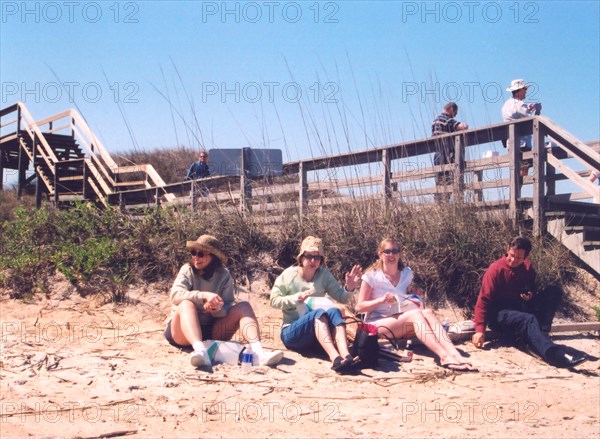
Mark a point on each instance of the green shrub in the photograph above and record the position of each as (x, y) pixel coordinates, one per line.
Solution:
(449, 247)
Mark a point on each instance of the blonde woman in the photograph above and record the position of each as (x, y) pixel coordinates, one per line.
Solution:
(389, 298)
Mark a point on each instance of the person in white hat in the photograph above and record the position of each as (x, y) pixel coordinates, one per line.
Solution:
(516, 108)
(203, 306)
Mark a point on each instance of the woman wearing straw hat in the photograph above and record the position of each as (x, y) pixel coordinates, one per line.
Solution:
(203, 306)
(390, 300)
(318, 327)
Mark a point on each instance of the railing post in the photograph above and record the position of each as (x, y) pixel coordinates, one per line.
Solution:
(539, 200)
(38, 179)
(514, 190)
(459, 166)
(57, 168)
(478, 178)
(2, 168)
(85, 178)
(245, 182)
(550, 175)
(157, 196)
(303, 190)
(22, 168)
(387, 176)
(193, 195)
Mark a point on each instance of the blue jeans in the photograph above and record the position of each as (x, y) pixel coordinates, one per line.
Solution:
(301, 336)
(533, 322)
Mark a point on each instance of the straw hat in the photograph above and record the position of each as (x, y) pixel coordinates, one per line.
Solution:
(209, 244)
(311, 244)
(517, 84)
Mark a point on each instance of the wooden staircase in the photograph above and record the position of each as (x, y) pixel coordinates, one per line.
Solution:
(68, 160)
(577, 226)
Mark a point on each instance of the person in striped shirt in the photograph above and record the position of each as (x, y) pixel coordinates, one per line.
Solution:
(444, 154)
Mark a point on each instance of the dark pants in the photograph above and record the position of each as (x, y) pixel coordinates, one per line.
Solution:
(533, 322)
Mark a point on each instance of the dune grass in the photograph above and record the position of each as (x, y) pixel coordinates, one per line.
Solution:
(103, 251)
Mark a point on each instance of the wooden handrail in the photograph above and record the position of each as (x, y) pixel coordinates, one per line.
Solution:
(386, 181)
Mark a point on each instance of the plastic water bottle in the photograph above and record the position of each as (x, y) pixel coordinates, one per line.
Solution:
(446, 324)
(247, 358)
(408, 353)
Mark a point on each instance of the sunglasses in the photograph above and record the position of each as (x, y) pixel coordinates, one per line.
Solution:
(314, 257)
(198, 254)
(391, 251)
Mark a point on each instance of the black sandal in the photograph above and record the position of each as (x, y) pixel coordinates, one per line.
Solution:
(343, 365)
(338, 364)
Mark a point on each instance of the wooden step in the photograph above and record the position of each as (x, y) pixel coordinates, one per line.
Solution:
(591, 245)
(574, 219)
(574, 207)
(590, 233)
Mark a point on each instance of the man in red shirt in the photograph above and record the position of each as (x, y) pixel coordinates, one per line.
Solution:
(508, 303)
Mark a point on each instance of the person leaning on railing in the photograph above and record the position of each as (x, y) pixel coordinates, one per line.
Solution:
(516, 108)
(444, 149)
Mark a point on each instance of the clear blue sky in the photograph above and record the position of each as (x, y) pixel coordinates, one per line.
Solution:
(310, 78)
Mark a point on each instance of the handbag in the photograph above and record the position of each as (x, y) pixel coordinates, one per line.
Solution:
(366, 344)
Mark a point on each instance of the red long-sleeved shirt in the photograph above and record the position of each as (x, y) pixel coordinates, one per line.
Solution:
(500, 289)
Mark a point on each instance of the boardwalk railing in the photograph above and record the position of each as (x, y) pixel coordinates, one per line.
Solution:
(402, 172)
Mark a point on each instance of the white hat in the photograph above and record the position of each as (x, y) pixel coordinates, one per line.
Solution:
(517, 84)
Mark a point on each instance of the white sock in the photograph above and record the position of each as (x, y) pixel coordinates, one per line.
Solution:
(257, 348)
(198, 346)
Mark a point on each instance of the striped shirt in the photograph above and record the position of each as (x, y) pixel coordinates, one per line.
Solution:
(444, 124)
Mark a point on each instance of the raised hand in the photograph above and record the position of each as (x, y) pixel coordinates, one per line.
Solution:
(353, 278)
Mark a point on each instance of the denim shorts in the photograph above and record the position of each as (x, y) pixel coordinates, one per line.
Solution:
(300, 335)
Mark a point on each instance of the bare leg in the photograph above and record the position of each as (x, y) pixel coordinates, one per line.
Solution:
(441, 337)
(341, 340)
(324, 337)
(240, 316)
(185, 324)
(414, 322)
